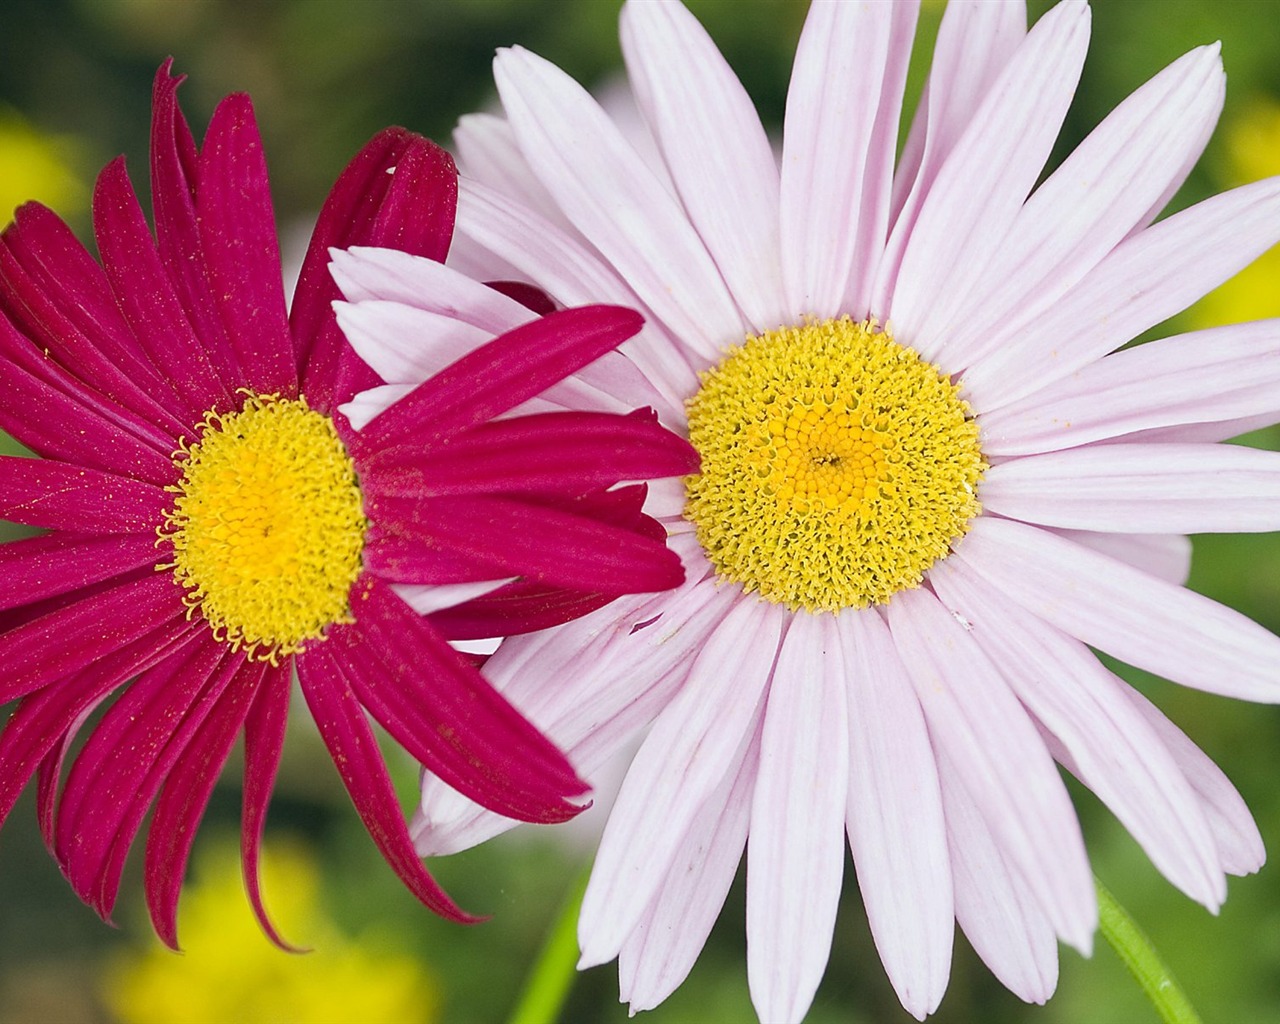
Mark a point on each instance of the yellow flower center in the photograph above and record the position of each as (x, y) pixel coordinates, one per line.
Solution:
(837, 465)
(267, 527)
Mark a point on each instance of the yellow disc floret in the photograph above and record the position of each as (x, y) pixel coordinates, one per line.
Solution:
(268, 527)
(837, 465)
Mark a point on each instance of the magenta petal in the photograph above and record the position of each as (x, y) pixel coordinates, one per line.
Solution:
(186, 794)
(147, 298)
(341, 721)
(554, 453)
(122, 765)
(81, 632)
(509, 370)
(444, 713)
(59, 496)
(57, 416)
(50, 774)
(400, 191)
(42, 719)
(515, 608)
(264, 730)
(513, 538)
(39, 299)
(35, 568)
(241, 249)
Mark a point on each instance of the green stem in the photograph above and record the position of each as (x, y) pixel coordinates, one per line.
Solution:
(552, 976)
(1139, 955)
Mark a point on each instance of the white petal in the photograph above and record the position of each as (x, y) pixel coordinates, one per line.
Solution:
(1093, 200)
(1165, 555)
(1137, 618)
(659, 954)
(795, 853)
(368, 404)
(575, 276)
(1218, 375)
(1142, 282)
(607, 192)
(1234, 831)
(1140, 488)
(976, 39)
(841, 117)
(987, 177)
(895, 823)
(488, 152)
(715, 147)
(406, 345)
(999, 915)
(1000, 757)
(693, 745)
(1094, 731)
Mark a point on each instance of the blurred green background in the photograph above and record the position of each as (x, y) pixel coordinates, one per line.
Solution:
(325, 74)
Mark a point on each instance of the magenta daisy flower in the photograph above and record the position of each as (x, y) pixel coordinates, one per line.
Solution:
(214, 523)
(929, 484)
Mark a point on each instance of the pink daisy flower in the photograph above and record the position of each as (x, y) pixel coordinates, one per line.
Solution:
(929, 484)
(212, 521)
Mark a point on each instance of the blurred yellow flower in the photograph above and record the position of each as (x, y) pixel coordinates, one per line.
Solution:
(36, 166)
(231, 972)
(1250, 150)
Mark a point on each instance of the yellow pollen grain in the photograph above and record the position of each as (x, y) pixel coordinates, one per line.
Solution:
(267, 526)
(837, 465)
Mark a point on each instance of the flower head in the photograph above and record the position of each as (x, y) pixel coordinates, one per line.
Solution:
(929, 480)
(214, 522)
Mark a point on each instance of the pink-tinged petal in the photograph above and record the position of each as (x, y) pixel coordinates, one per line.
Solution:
(400, 191)
(1167, 556)
(720, 159)
(975, 720)
(442, 711)
(186, 793)
(1216, 376)
(1204, 433)
(187, 360)
(795, 853)
(1157, 488)
(626, 676)
(488, 153)
(404, 345)
(573, 275)
(61, 496)
(1142, 282)
(507, 537)
(174, 180)
(661, 951)
(994, 906)
(354, 749)
(123, 764)
(507, 371)
(896, 829)
(980, 189)
(555, 453)
(427, 599)
(78, 633)
(35, 568)
(264, 730)
(976, 41)
(241, 249)
(1236, 836)
(39, 723)
(691, 750)
(1094, 731)
(839, 136)
(57, 416)
(1099, 194)
(603, 186)
(54, 297)
(367, 405)
(1139, 619)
